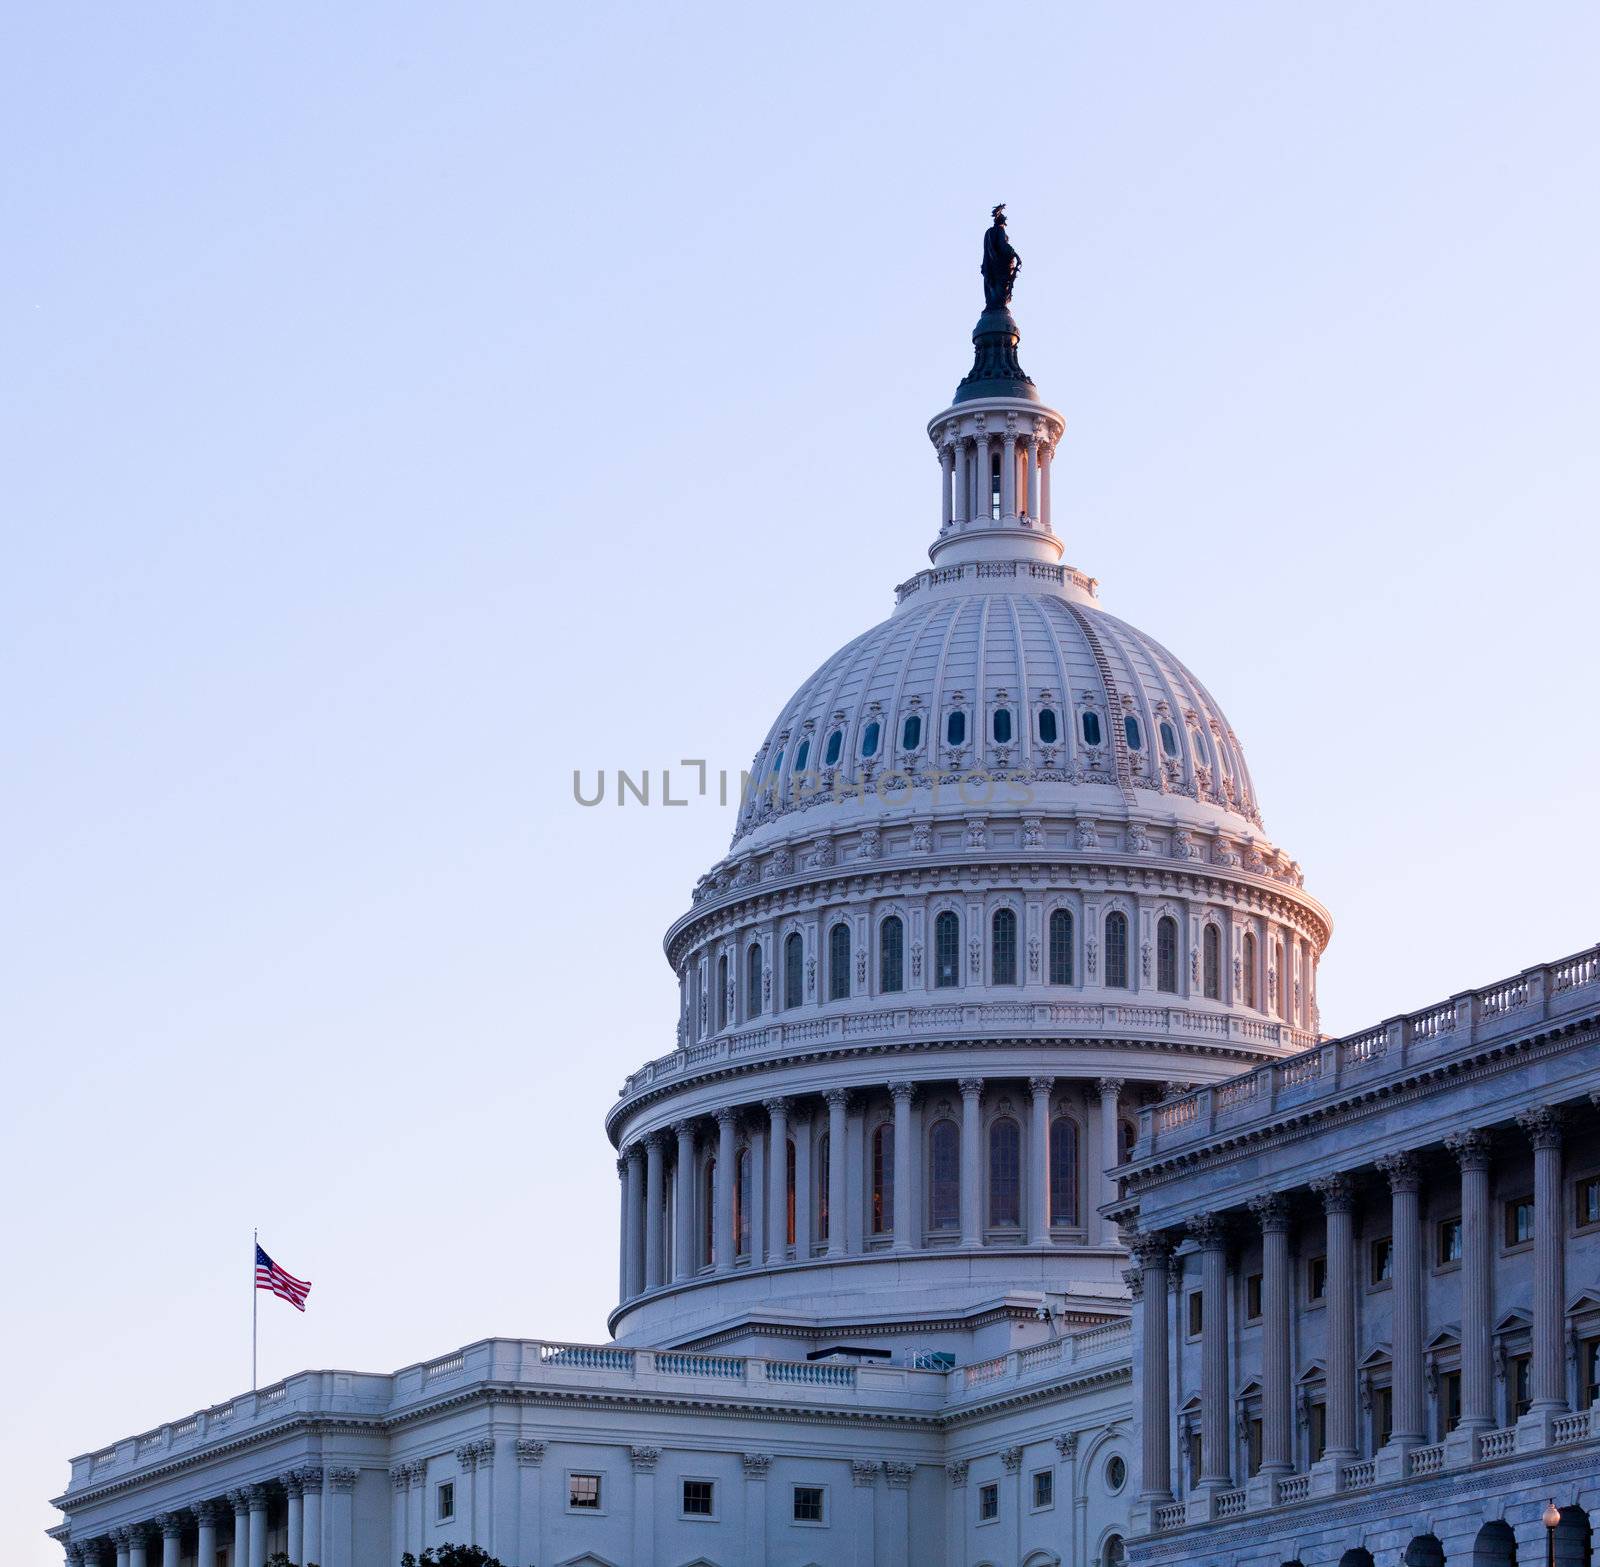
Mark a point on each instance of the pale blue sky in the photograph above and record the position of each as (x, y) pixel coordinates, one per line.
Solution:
(406, 405)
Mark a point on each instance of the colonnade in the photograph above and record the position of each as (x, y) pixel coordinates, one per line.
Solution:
(967, 463)
(799, 1208)
(1336, 1194)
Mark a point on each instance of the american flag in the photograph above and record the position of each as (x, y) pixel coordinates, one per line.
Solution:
(269, 1276)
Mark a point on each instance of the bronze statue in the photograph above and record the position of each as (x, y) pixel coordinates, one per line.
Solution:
(1000, 263)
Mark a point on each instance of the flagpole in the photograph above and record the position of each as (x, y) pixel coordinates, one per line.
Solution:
(255, 1306)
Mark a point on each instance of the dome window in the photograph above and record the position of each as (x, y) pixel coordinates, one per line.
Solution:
(911, 733)
(1169, 739)
(955, 728)
(1047, 726)
(1091, 729)
(802, 756)
(1002, 726)
(777, 761)
(869, 740)
(1130, 727)
(830, 757)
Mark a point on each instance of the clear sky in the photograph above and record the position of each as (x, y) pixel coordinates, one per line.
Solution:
(405, 405)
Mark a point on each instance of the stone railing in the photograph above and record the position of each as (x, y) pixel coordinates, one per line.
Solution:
(1231, 1504)
(1463, 1023)
(1039, 571)
(1359, 1475)
(980, 1019)
(1569, 1428)
(1498, 1444)
(1107, 1340)
(1294, 1488)
(1169, 1515)
(1426, 1460)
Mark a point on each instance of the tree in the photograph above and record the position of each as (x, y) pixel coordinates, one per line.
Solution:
(452, 1556)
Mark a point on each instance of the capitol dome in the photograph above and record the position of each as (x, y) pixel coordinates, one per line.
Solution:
(998, 882)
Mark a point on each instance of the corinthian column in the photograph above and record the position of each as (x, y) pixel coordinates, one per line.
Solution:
(1548, 1380)
(727, 1179)
(296, 1520)
(1110, 1089)
(838, 1229)
(777, 1179)
(258, 1526)
(171, 1527)
(1277, 1434)
(971, 1161)
(311, 1520)
(208, 1515)
(1210, 1233)
(1477, 1281)
(903, 1215)
(1409, 1422)
(683, 1202)
(1338, 1202)
(635, 1211)
(654, 1201)
(239, 1556)
(1038, 1185)
(1154, 1254)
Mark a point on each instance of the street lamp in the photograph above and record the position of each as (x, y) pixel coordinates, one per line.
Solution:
(1552, 1517)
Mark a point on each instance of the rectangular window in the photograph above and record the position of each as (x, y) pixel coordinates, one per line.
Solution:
(1381, 1269)
(1196, 1457)
(1252, 1445)
(988, 1502)
(1521, 1397)
(1252, 1298)
(1519, 1221)
(809, 1504)
(1449, 1403)
(1316, 1279)
(1588, 1372)
(445, 1509)
(1319, 1431)
(1447, 1243)
(583, 1492)
(1197, 1314)
(1044, 1489)
(1586, 1208)
(697, 1498)
(1382, 1416)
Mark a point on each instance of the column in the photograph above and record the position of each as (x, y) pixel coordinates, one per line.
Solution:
(296, 1529)
(947, 469)
(1410, 1416)
(855, 1187)
(727, 1176)
(1046, 454)
(1471, 1150)
(644, 1498)
(258, 1526)
(119, 1538)
(622, 1228)
(139, 1545)
(1154, 1253)
(683, 1202)
(1008, 475)
(635, 1220)
(864, 1525)
(1039, 1181)
(240, 1554)
(777, 1178)
(310, 1513)
(837, 1100)
(1033, 477)
(1338, 1202)
(171, 1527)
(399, 1516)
(1277, 1429)
(530, 1511)
(982, 506)
(803, 1185)
(208, 1515)
(756, 1218)
(1215, 1401)
(962, 499)
(755, 1503)
(655, 1194)
(904, 1209)
(1548, 1378)
(971, 1161)
(1110, 1089)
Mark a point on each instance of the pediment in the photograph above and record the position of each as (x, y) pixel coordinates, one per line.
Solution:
(1250, 1389)
(1448, 1337)
(701, 1561)
(1191, 1405)
(1378, 1355)
(1315, 1372)
(1586, 1300)
(1514, 1322)
(588, 1559)
(1042, 1559)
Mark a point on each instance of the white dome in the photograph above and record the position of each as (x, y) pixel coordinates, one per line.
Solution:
(1053, 695)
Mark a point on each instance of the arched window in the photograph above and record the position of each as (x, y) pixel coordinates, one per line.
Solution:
(1048, 729)
(1091, 729)
(944, 1175)
(1130, 728)
(955, 728)
(891, 955)
(722, 991)
(777, 759)
(794, 963)
(752, 981)
(830, 756)
(1211, 962)
(822, 1187)
(1117, 950)
(1166, 953)
(741, 1203)
(1002, 726)
(708, 1229)
(1114, 1555)
(946, 951)
(1005, 1174)
(1249, 965)
(1277, 981)
(1003, 947)
(1063, 1170)
(994, 486)
(869, 738)
(883, 1179)
(1169, 738)
(839, 962)
(789, 1194)
(911, 733)
(1127, 1136)
(803, 755)
(1061, 947)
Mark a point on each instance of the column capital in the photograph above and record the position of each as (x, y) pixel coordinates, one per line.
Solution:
(170, 1525)
(644, 1459)
(660, 1139)
(864, 1472)
(238, 1499)
(1336, 1191)
(1401, 1169)
(1134, 1279)
(530, 1452)
(1012, 1459)
(291, 1482)
(776, 1106)
(837, 1098)
(1154, 1248)
(634, 1150)
(1272, 1212)
(755, 1465)
(898, 1476)
(400, 1476)
(1471, 1148)
(1209, 1231)
(622, 1165)
(956, 1471)
(311, 1477)
(343, 1479)
(1038, 1086)
(1110, 1087)
(902, 1092)
(208, 1512)
(685, 1127)
(1067, 1444)
(970, 1087)
(1542, 1126)
(119, 1537)
(725, 1115)
(141, 1533)
(258, 1498)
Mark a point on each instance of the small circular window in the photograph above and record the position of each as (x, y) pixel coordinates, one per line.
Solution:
(1116, 1472)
